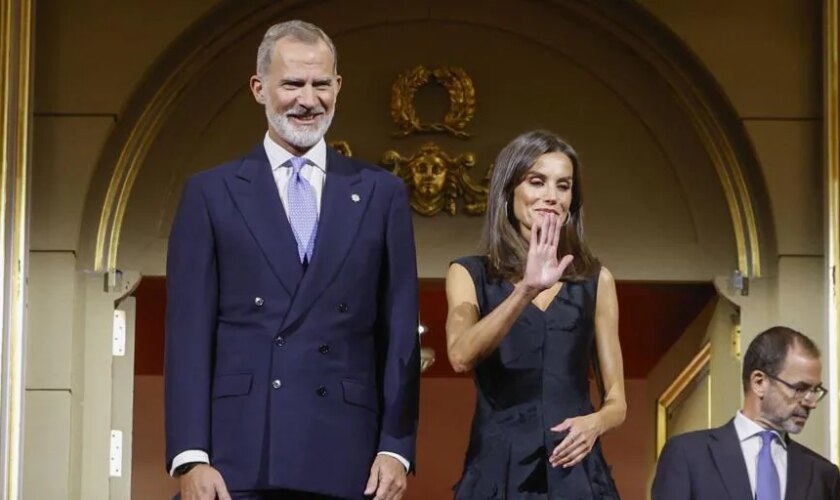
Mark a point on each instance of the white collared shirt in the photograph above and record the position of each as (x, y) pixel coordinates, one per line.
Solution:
(751, 444)
(315, 170)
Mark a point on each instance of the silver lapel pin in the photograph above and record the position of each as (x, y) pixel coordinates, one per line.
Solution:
(355, 198)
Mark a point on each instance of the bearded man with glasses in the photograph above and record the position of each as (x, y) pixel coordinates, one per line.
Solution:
(753, 455)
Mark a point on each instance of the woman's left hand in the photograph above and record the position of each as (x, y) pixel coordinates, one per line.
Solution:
(582, 433)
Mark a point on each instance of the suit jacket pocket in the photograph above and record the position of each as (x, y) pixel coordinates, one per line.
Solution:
(359, 394)
(235, 384)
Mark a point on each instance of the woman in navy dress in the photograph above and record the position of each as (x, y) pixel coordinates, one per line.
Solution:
(529, 315)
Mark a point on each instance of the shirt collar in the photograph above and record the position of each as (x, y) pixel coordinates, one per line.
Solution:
(747, 428)
(278, 156)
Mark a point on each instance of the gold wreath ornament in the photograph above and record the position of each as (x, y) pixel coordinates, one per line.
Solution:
(461, 91)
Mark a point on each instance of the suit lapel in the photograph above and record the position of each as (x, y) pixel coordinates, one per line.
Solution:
(725, 448)
(798, 472)
(343, 203)
(255, 193)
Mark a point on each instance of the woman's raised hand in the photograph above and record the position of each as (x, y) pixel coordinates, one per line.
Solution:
(542, 270)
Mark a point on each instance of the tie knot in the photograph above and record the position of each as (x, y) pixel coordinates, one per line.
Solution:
(297, 163)
(767, 437)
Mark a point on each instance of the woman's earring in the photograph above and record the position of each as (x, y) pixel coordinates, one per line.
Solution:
(568, 219)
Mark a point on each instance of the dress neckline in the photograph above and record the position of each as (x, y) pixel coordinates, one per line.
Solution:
(510, 286)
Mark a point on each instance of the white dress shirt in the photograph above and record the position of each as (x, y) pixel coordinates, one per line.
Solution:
(751, 444)
(315, 172)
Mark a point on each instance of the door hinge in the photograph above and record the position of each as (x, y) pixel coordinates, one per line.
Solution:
(116, 453)
(118, 347)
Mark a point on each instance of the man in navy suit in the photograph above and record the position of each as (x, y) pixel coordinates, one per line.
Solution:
(292, 359)
(753, 456)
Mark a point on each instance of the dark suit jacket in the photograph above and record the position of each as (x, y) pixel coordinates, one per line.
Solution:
(709, 465)
(292, 378)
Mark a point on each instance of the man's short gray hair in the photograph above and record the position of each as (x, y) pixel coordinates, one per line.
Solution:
(297, 30)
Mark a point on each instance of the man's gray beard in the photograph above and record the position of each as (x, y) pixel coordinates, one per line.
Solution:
(767, 413)
(300, 137)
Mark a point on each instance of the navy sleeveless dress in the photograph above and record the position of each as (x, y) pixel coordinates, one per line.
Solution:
(535, 379)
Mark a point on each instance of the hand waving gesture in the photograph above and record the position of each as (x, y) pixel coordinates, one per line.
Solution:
(542, 271)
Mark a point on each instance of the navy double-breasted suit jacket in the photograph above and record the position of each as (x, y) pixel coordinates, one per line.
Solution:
(292, 378)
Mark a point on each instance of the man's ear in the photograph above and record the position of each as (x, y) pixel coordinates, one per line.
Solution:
(257, 89)
(758, 383)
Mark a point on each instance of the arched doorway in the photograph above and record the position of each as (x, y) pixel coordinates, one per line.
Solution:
(672, 188)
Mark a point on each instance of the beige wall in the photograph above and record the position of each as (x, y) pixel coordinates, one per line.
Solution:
(767, 58)
(655, 207)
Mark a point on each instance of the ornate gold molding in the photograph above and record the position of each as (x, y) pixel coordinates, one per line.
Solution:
(16, 55)
(734, 186)
(342, 147)
(436, 180)
(455, 80)
(652, 43)
(831, 44)
(696, 367)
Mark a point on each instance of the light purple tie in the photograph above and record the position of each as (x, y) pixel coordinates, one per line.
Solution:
(303, 210)
(767, 485)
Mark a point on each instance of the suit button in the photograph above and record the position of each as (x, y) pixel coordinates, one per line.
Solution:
(280, 341)
(322, 391)
(342, 308)
(258, 301)
(324, 349)
(276, 383)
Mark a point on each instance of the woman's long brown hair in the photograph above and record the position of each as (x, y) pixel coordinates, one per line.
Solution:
(502, 241)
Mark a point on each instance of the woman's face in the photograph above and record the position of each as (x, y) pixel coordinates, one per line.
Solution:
(546, 188)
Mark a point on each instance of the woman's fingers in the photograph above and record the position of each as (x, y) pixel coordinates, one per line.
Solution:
(552, 229)
(571, 453)
(564, 263)
(575, 457)
(534, 235)
(555, 242)
(543, 230)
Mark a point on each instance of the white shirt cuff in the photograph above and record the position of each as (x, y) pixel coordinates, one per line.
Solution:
(398, 457)
(188, 456)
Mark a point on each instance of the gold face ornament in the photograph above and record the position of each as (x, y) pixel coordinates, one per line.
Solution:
(436, 180)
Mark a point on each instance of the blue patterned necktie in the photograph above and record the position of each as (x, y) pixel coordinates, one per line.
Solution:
(303, 210)
(767, 485)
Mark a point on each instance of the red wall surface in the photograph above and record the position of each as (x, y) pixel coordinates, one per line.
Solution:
(651, 318)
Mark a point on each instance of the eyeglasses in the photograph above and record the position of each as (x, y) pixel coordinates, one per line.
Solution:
(814, 394)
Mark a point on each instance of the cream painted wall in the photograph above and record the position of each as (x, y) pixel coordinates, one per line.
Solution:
(764, 53)
(791, 159)
(91, 54)
(65, 153)
(47, 448)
